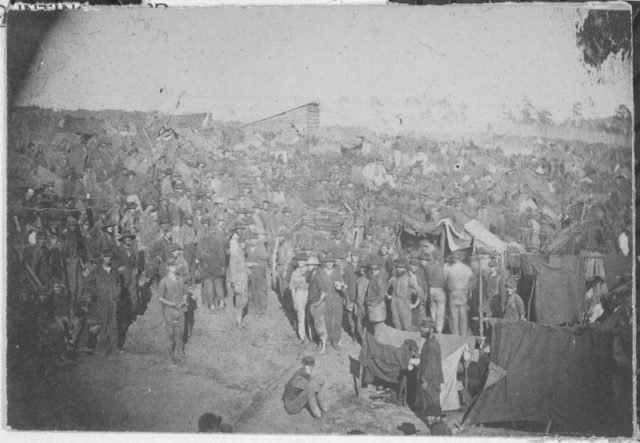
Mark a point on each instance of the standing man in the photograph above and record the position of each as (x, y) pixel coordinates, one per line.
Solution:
(188, 241)
(103, 282)
(495, 292)
(458, 283)
(238, 277)
(350, 276)
(258, 285)
(429, 374)
(171, 294)
(514, 306)
(211, 255)
(434, 269)
(326, 303)
(300, 293)
(401, 289)
(302, 390)
(376, 294)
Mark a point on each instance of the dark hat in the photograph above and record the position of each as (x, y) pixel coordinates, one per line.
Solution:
(132, 205)
(374, 261)
(428, 323)
(175, 247)
(308, 361)
(400, 263)
(301, 256)
(109, 223)
(329, 257)
(41, 234)
(106, 252)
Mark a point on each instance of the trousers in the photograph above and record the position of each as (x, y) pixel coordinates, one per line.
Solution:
(300, 298)
(334, 307)
(437, 305)
(174, 329)
(401, 314)
(459, 318)
(313, 397)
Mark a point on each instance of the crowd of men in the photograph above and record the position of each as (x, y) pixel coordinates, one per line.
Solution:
(93, 267)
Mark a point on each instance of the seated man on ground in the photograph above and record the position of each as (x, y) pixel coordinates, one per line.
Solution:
(302, 390)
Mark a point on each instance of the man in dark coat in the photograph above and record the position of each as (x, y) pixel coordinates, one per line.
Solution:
(211, 255)
(429, 373)
(103, 284)
(326, 302)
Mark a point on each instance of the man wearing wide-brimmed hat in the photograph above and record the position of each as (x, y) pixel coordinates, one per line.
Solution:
(103, 285)
(430, 377)
(514, 306)
(402, 288)
(211, 257)
(326, 303)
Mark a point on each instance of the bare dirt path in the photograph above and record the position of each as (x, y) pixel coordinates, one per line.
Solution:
(237, 373)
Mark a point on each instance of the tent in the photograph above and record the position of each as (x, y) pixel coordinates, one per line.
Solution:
(456, 237)
(550, 374)
(452, 347)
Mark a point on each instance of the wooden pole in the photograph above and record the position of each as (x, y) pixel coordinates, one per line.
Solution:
(480, 296)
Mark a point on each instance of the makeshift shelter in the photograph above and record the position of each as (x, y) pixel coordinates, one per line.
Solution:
(550, 375)
(452, 237)
(451, 346)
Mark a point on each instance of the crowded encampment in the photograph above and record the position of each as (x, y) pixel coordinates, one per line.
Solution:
(240, 251)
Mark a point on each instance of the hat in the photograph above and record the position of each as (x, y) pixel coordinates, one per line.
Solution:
(205, 221)
(374, 261)
(175, 247)
(41, 234)
(105, 252)
(132, 205)
(71, 221)
(130, 172)
(400, 263)
(109, 223)
(428, 323)
(329, 257)
(286, 209)
(308, 361)
(301, 256)
(313, 261)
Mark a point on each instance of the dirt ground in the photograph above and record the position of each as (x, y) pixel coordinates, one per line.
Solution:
(237, 373)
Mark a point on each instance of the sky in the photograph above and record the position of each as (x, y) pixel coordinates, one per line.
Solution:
(388, 68)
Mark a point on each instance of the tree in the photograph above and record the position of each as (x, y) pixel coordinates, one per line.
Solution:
(602, 34)
(545, 118)
(527, 111)
(622, 120)
(576, 111)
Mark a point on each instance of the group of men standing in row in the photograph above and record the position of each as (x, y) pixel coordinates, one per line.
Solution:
(371, 289)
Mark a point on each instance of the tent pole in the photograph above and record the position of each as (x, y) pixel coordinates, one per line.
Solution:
(480, 303)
